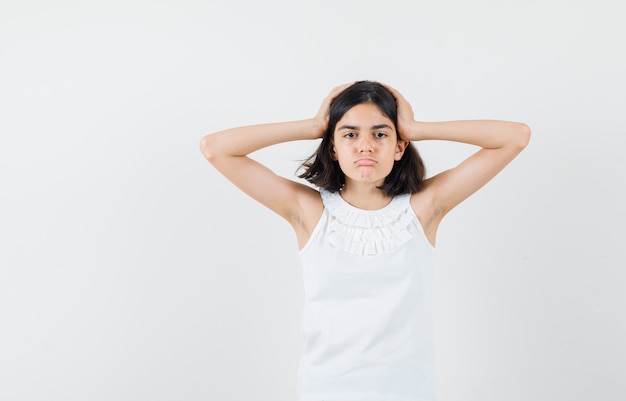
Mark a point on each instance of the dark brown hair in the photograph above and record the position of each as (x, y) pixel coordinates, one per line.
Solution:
(407, 175)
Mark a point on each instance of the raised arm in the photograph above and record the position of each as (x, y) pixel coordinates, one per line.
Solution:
(227, 151)
(500, 143)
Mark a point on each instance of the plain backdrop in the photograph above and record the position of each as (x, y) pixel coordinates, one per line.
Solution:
(131, 270)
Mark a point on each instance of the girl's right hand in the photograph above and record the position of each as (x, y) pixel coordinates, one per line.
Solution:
(322, 115)
(406, 118)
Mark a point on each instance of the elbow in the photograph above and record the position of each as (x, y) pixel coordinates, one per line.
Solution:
(207, 147)
(522, 135)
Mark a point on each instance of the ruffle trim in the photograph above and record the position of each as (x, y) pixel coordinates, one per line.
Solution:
(367, 232)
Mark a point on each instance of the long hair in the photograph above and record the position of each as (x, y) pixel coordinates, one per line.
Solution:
(407, 174)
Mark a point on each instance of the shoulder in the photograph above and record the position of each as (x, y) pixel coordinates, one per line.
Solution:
(310, 199)
(308, 212)
(426, 209)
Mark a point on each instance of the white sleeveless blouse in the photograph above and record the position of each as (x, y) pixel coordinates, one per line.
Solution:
(368, 312)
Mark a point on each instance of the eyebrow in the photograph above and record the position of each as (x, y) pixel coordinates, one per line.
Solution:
(356, 128)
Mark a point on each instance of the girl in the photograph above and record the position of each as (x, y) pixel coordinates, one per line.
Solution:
(367, 236)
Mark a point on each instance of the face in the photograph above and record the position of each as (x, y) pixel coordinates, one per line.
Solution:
(366, 145)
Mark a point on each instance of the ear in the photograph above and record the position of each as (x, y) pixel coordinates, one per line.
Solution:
(333, 152)
(400, 147)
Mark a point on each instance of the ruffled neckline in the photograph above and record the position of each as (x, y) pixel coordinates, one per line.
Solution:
(367, 232)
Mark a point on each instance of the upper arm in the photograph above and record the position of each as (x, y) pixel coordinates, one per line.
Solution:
(453, 186)
(281, 195)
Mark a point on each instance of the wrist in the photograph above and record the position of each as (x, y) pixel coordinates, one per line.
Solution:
(414, 131)
(316, 128)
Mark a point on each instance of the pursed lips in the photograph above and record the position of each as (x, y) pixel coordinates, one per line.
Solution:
(365, 162)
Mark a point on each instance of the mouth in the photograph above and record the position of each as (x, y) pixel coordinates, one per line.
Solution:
(365, 162)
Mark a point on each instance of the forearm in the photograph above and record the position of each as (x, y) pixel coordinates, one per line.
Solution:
(489, 134)
(244, 140)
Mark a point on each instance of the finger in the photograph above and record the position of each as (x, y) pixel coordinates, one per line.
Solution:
(325, 107)
(338, 89)
(394, 92)
(332, 95)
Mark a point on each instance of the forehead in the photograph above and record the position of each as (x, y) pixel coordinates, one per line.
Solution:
(365, 114)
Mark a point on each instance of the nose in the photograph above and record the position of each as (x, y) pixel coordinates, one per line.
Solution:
(365, 144)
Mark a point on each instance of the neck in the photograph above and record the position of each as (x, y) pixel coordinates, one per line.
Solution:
(366, 197)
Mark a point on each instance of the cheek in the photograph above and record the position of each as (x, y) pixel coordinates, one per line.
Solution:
(339, 150)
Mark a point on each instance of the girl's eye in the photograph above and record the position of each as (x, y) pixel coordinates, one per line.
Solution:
(350, 135)
(380, 135)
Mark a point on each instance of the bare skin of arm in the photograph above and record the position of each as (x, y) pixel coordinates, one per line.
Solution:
(228, 152)
(500, 143)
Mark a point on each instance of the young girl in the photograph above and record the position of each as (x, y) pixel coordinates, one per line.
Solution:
(367, 236)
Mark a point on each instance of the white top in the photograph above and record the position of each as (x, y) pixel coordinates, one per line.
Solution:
(368, 312)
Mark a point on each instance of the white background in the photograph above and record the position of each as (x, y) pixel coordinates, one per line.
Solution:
(131, 270)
